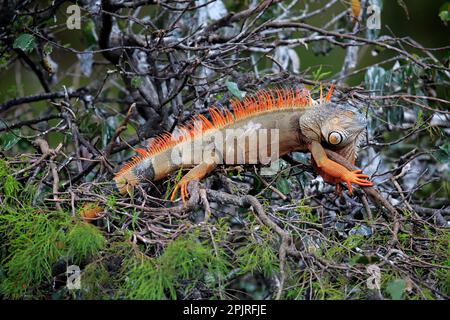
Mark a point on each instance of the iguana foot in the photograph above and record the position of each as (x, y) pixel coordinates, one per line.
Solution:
(182, 185)
(196, 173)
(356, 177)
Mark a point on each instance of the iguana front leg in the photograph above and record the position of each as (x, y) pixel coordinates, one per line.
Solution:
(196, 173)
(334, 172)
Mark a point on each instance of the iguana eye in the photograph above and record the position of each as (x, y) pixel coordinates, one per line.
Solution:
(335, 138)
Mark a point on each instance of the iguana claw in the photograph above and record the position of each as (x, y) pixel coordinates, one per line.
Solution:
(356, 177)
(182, 185)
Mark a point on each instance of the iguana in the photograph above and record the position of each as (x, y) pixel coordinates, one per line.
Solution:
(301, 123)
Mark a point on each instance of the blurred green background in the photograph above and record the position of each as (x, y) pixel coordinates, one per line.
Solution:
(418, 19)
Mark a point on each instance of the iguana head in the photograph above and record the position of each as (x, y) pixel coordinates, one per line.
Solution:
(337, 127)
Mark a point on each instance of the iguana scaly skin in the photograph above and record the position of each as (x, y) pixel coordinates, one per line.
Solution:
(303, 124)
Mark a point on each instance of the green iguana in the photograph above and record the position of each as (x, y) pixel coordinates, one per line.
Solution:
(298, 122)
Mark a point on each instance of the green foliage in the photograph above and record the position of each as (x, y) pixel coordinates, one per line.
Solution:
(4, 59)
(95, 282)
(111, 201)
(443, 276)
(48, 49)
(444, 12)
(10, 186)
(319, 74)
(234, 89)
(26, 42)
(33, 245)
(443, 153)
(170, 187)
(257, 256)
(158, 278)
(283, 185)
(327, 288)
(9, 139)
(34, 238)
(84, 241)
(343, 252)
(88, 31)
(303, 208)
(146, 281)
(396, 288)
(136, 82)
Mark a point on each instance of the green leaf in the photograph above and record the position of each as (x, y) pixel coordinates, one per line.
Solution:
(443, 154)
(136, 82)
(396, 288)
(444, 12)
(26, 42)
(319, 75)
(444, 15)
(445, 147)
(47, 48)
(9, 139)
(89, 33)
(233, 88)
(283, 185)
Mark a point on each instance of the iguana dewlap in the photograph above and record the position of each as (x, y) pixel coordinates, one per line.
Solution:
(300, 123)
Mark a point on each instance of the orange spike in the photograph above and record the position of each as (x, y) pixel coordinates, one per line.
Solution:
(215, 116)
(205, 122)
(228, 116)
(279, 98)
(330, 92)
(141, 152)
